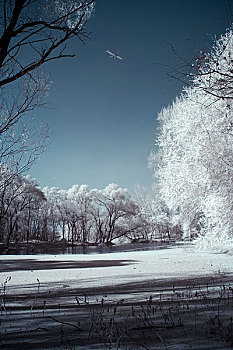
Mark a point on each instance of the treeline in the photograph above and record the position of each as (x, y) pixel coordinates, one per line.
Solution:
(77, 215)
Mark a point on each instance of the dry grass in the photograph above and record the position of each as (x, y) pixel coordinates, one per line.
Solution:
(178, 314)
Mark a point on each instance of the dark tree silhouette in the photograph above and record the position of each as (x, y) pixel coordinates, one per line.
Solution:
(39, 29)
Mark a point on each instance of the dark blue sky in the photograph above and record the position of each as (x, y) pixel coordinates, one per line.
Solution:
(103, 111)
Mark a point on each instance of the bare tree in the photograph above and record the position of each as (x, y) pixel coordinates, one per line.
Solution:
(41, 29)
(32, 33)
(20, 141)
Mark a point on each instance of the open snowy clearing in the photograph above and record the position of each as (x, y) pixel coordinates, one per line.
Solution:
(111, 268)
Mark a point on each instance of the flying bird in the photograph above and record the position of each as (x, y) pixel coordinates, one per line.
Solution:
(114, 55)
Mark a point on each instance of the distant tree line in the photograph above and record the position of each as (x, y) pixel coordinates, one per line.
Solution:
(78, 215)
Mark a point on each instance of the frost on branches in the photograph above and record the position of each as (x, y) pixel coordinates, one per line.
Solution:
(77, 215)
(195, 144)
(214, 71)
(32, 33)
(74, 13)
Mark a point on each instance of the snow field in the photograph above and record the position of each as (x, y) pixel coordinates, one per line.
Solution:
(178, 262)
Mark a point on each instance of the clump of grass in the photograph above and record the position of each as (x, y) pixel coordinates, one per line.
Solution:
(190, 313)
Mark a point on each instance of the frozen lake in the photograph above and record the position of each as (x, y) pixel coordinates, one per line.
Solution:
(91, 270)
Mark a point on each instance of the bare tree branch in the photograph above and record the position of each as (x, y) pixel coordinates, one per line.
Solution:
(65, 21)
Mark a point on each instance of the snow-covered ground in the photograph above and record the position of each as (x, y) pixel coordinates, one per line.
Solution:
(177, 262)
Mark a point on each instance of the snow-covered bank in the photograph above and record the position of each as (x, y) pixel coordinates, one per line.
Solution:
(180, 262)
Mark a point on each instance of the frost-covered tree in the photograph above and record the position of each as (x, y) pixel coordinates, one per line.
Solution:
(213, 71)
(20, 202)
(112, 213)
(195, 150)
(50, 222)
(158, 224)
(79, 208)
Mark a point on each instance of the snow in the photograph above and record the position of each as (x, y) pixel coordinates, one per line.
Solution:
(177, 262)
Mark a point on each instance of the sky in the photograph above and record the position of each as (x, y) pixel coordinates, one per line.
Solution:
(102, 112)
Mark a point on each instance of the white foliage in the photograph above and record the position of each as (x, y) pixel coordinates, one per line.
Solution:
(196, 150)
(74, 12)
(215, 74)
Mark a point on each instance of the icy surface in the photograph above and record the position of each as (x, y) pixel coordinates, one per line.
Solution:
(180, 262)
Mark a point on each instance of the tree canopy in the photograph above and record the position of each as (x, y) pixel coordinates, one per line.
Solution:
(195, 145)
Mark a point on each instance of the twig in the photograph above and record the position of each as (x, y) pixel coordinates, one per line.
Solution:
(67, 323)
